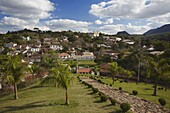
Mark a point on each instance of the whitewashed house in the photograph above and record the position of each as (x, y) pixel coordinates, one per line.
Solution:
(10, 45)
(56, 47)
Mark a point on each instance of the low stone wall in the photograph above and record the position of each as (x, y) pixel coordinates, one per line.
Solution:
(138, 105)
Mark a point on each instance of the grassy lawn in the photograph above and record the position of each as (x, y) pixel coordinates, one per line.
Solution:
(51, 100)
(81, 62)
(88, 62)
(144, 90)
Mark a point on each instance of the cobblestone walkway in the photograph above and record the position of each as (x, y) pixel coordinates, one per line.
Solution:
(138, 105)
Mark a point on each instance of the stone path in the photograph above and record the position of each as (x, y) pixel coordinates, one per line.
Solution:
(138, 105)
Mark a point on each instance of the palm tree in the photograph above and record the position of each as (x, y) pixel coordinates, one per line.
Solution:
(13, 71)
(128, 73)
(159, 69)
(35, 69)
(113, 68)
(60, 76)
(64, 80)
(146, 72)
(165, 71)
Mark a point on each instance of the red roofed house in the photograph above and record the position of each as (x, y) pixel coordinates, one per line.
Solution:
(64, 56)
(84, 71)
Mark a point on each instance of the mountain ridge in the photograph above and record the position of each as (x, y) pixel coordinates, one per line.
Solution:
(163, 29)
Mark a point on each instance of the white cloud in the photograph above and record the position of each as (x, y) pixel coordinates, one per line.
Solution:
(66, 24)
(11, 21)
(27, 9)
(116, 8)
(159, 20)
(151, 14)
(98, 22)
(24, 13)
(113, 29)
(154, 9)
(128, 9)
(108, 21)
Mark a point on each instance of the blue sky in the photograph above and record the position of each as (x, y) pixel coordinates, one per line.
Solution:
(106, 16)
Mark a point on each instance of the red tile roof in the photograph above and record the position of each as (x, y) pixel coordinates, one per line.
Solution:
(84, 70)
(63, 54)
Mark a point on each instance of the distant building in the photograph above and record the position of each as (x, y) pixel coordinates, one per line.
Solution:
(94, 34)
(128, 41)
(36, 29)
(10, 45)
(84, 71)
(157, 52)
(118, 39)
(56, 47)
(84, 56)
(64, 56)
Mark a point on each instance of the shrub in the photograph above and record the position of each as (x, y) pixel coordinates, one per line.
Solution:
(125, 107)
(160, 88)
(113, 101)
(95, 90)
(126, 81)
(103, 98)
(135, 92)
(99, 81)
(162, 101)
(100, 94)
(121, 81)
(91, 77)
(120, 88)
(89, 86)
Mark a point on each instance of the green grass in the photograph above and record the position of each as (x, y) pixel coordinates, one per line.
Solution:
(81, 62)
(145, 91)
(51, 100)
(86, 62)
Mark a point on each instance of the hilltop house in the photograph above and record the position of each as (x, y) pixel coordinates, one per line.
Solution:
(64, 56)
(56, 46)
(128, 41)
(94, 34)
(157, 52)
(84, 56)
(85, 71)
(10, 45)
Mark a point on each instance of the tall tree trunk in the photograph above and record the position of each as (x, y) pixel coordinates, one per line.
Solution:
(138, 72)
(67, 99)
(165, 86)
(113, 79)
(155, 89)
(15, 91)
(146, 80)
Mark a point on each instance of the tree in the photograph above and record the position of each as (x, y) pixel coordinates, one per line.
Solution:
(138, 54)
(146, 72)
(128, 73)
(158, 68)
(13, 70)
(35, 69)
(64, 80)
(60, 76)
(113, 68)
(165, 71)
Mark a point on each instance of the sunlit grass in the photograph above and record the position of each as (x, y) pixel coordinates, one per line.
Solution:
(145, 91)
(37, 99)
